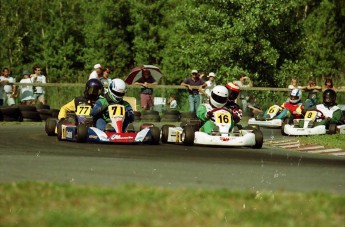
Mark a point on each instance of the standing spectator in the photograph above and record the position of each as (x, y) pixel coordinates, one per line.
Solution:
(210, 84)
(293, 85)
(97, 73)
(194, 97)
(172, 102)
(26, 91)
(328, 85)
(37, 77)
(105, 79)
(7, 87)
(146, 93)
(312, 89)
(244, 82)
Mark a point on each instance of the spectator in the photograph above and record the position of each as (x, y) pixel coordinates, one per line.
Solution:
(105, 79)
(97, 73)
(146, 93)
(244, 82)
(114, 95)
(172, 102)
(7, 87)
(26, 91)
(93, 89)
(328, 85)
(37, 77)
(312, 89)
(194, 97)
(210, 84)
(294, 84)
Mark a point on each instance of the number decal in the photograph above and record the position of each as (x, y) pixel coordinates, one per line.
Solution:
(273, 109)
(223, 118)
(116, 110)
(311, 115)
(83, 110)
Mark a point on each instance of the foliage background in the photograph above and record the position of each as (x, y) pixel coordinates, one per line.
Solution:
(271, 40)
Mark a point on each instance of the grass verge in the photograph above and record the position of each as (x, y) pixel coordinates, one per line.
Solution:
(46, 204)
(329, 141)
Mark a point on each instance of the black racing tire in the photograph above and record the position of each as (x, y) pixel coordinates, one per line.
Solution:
(172, 112)
(155, 135)
(55, 113)
(165, 133)
(149, 112)
(153, 118)
(44, 114)
(41, 106)
(50, 126)
(27, 108)
(286, 121)
(188, 115)
(259, 139)
(332, 129)
(59, 130)
(164, 119)
(188, 135)
(31, 115)
(82, 133)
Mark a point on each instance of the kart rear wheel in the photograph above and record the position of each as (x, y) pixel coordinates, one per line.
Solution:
(165, 133)
(81, 133)
(155, 135)
(259, 139)
(332, 129)
(50, 126)
(188, 135)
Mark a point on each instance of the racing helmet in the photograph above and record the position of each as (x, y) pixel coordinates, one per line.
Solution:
(329, 97)
(233, 90)
(219, 96)
(295, 96)
(93, 89)
(117, 89)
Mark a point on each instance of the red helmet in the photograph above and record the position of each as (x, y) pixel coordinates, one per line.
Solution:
(234, 90)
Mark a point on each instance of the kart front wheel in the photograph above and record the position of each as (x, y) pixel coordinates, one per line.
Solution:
(259, 139)
(50, 126)
(155, 135)
(165, 133)
(332, 129)
(188, 135)
(81, 133)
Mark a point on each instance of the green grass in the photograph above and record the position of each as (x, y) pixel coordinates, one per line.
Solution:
(43, 204)
(329, 141)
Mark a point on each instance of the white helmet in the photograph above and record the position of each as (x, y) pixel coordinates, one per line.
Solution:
(219, 96)
(295, 96)
(117, 89)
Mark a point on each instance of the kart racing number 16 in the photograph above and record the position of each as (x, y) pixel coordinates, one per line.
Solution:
(223, 118)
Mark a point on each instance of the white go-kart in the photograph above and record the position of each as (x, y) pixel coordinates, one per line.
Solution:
(221, 136)
(271, 121)
(293, 127)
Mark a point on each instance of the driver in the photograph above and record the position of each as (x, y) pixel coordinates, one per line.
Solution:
(293, 108)
(218, 99)
(113, 95)
(93, 89)
(331, 112)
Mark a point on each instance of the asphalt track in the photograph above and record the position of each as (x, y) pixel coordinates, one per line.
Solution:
(28, 154)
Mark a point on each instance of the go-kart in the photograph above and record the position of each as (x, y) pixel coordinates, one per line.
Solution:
(293, 127)
(83, 130)
(271, 121)
(220, 136)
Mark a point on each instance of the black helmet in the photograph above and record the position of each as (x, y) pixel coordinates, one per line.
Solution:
(93, 89)
(329, 97)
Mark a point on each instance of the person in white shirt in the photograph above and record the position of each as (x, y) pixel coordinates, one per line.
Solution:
(211, 83)
(8, 88)
(172, 102)
(37, 77)
(26, 91)
(97, 73)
